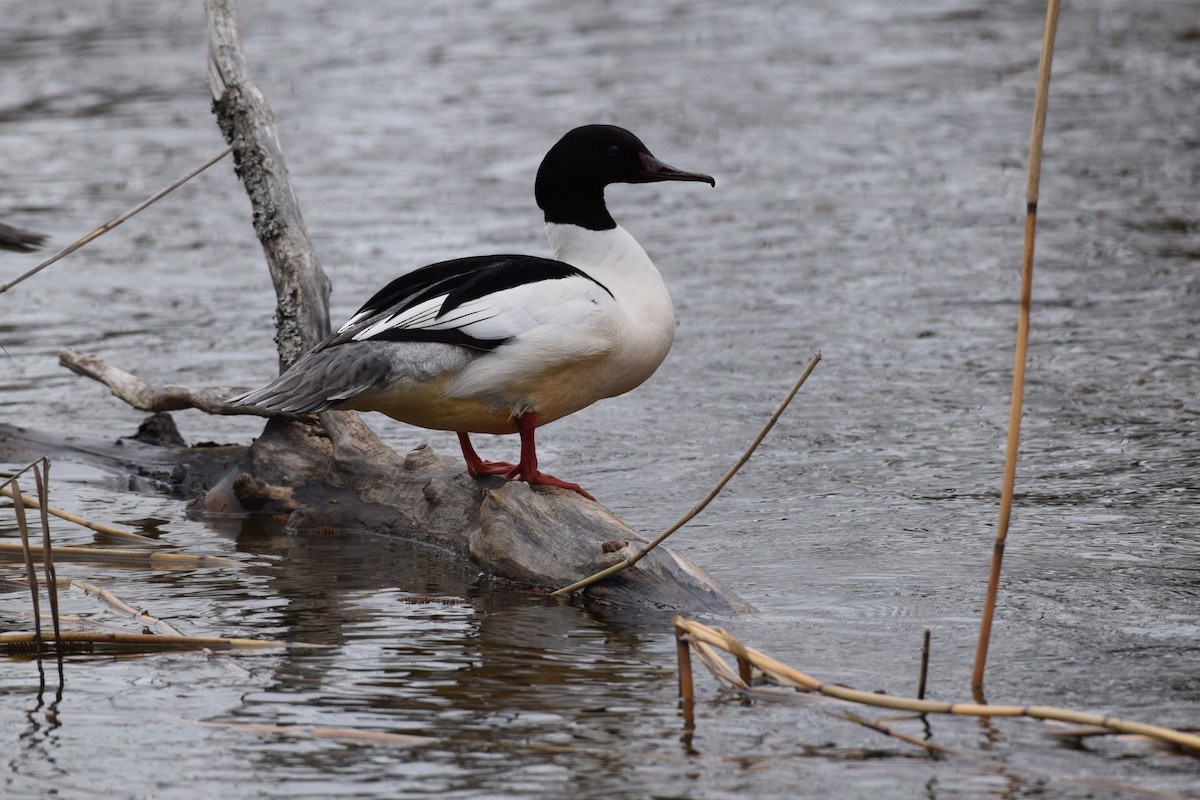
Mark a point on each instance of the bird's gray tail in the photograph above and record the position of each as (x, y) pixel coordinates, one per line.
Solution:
(319, 380)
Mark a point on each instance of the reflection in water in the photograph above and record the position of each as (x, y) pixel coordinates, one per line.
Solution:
(422, 647)
(37, 741)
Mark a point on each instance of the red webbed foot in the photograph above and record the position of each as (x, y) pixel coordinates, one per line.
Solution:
(476, 466)
(542, 479)
(528, 470)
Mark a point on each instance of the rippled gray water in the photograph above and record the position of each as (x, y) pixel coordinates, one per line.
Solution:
(870, 167)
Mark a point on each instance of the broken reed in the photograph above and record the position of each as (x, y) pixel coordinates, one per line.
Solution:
(78, 553)
(85, 553)
(90, 641)
(98, 527)
(167, 638)
(705, 638)
(41, 477)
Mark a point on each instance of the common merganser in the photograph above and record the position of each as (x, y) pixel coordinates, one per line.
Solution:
(507, 343)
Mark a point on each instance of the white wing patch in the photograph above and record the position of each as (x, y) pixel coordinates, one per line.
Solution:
(502, 315)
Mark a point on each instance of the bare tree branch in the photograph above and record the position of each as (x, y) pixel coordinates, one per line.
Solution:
(246, 120)
(141, 395)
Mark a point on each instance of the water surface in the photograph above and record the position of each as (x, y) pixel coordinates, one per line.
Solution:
(870, 198)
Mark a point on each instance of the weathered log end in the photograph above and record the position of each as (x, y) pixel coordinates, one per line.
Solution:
(538, 535)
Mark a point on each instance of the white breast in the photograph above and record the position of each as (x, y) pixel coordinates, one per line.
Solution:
(585, 344)
(643, 315)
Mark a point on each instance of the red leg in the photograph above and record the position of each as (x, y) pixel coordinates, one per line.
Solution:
(476, 465)
(527, 470)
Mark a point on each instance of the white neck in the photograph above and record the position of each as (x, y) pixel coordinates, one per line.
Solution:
(641, 312)
(615, 259)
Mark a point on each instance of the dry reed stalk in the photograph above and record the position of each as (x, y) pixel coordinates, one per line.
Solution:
(63, 583)
(42, 479)
(685, 665)
(793, 677)
(180, 560)
(115, 221)
(687, 692)
(929, 747)
(939, 750)
(719, 669)
(1019, 360)
(722, 671)
(767, 693)
(90, 640)
(708, 498)
(98, 527)
(1090, 731)
(31, 576)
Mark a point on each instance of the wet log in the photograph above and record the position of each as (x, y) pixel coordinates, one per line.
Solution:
(335, 475)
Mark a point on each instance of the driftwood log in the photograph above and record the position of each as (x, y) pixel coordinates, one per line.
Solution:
(331, 471)
(319, 475)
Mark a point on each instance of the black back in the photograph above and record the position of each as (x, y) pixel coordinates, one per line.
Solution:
(461, 280)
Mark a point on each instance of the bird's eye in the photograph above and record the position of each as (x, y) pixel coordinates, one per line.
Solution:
(615, 151)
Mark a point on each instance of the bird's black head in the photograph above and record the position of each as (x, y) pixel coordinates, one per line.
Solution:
(570, 183)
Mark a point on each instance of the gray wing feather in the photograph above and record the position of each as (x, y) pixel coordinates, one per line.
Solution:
(326, 377)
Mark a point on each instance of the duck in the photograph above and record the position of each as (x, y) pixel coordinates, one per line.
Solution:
(504, 344)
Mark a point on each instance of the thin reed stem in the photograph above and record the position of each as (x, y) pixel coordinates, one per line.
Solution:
(1020, 358)
(31, 576)
(83, 640)
(42, 478)
(924, 666)
(708, 498)
(115, 221)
